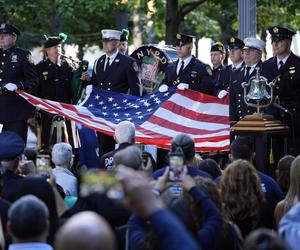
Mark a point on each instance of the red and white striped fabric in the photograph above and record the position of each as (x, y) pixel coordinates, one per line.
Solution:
(205, 118)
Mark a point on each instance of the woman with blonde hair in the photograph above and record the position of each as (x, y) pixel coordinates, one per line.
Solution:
(293, 194)
(243, 199)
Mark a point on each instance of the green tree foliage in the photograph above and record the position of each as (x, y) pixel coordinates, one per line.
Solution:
(82, 20)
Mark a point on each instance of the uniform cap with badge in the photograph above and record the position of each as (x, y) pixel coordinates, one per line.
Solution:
(54, 40)
(6, 28)
(111, 35)
(279, 33)
(218, 46)
(235, 43)
(182, 39)
(254, 43)
(11, 145)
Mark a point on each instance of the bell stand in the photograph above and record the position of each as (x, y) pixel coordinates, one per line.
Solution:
(258, 122)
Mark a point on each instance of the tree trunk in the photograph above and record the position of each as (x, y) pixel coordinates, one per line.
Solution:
(172, 21)
(137, 28)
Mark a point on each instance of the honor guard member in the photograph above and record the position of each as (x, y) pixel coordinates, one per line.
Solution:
(235, 46)
(217, 57)
(55, 83)
(188, 72)
(285, 68)
(16, 72)
(252, 57)
(113, 72)
(123, 48)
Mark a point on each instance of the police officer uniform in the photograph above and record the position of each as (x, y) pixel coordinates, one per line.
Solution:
(196, 75)
(237, 106)
(233, 43)
(11, 147)
(55, 85)
(219, 47)
(17, 68)
(287, 87)
(220, 73)
(116, 74)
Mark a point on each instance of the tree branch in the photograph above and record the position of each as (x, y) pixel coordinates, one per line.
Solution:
(188, 7)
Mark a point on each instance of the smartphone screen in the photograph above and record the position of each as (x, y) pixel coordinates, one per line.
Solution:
(100, 181)
(176, 163)
(43, 165)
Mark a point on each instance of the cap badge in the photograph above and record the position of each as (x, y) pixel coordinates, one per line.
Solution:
(275, 30)
(178, 36)
(232, 39)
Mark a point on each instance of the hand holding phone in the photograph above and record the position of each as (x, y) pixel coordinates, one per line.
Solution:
(176, 163)
(43, 165)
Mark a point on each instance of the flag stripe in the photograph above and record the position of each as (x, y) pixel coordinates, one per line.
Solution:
(191, 114)
(158, 117)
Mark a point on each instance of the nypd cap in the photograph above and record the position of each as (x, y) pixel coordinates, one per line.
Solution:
(6, 28)
(182, 39)
(218, 46)
(235, 43)
(279, 33)
(11, 145)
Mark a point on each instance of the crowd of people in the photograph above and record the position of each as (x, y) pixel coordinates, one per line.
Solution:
(125, 198)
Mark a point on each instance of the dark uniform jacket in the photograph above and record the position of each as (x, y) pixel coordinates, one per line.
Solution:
(222, 76)
(119, 77)
(107, 160)
(237, 106)
(197, 74)
(55, 81)
(287, 88)
(286, 92)
(55, 85)
(16, 66)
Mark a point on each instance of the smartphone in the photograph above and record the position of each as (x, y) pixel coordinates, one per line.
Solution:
(43, 165)
(100, 181)
(176, 163)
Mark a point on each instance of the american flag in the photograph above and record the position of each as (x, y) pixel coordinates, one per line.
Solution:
(158, 117)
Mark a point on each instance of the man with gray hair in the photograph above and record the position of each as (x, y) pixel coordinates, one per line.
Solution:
(28, 224)
(85, 231)
(124, 136)
(62, 158)
(252, 53)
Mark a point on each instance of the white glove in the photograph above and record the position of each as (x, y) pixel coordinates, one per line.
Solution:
(182, 86)
(163, 88)
(11, 86)
(222, 93)
(89, 89)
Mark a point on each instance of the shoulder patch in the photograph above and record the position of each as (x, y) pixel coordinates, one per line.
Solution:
(208, 70)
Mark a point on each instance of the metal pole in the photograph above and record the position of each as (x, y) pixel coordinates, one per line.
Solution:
(247, 18)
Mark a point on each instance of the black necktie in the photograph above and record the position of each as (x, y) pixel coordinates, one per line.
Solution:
(247, 73)
(181, 67)
(233, 68)
(280, 66)
(107, 64)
